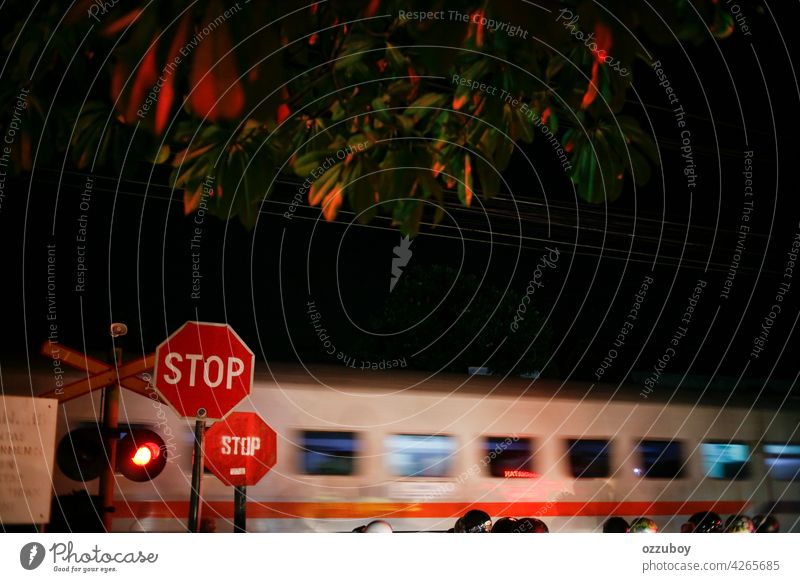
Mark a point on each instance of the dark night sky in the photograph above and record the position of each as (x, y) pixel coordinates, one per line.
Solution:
(139, 259)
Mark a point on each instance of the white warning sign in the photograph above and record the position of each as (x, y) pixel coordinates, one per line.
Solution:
(27, 452)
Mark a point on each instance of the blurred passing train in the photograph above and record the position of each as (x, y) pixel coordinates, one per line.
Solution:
(419, 450)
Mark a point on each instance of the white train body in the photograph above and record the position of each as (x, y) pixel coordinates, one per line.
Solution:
(376, 405)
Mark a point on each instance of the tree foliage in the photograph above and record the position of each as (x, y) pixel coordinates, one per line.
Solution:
(241, 93)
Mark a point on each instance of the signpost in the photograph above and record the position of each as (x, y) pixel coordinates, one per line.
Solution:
(108, 377)
(203, 371)
(240, 450)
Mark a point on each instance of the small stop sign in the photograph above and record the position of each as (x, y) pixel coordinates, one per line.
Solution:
(241, 449)
(204, 366)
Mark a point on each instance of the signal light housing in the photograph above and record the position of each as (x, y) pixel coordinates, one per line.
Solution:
(141, 455)
(81, 454)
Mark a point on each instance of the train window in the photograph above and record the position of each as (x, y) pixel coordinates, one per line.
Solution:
(726, 460)
(660, 459)
(589, 458)
(417, 455)
(782, 461)
(328, 452)
(508, 456)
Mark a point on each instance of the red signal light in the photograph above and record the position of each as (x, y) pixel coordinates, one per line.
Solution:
(141, 455)
(145, 453)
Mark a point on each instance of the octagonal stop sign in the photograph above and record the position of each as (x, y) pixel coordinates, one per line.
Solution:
(241, 449)
(204, 366)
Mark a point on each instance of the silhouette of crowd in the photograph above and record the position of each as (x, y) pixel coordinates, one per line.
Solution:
(478, 521)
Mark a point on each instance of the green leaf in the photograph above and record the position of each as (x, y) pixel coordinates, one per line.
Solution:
(357, 138)
(397, 60)
(361, 196)
(489, 178)
(432, 189)
(503, 153)
(410, 226)
(640, 167)
(611, 177)
(379, 108)
(420, 108)
(524, 126)
(552, 121)
(308, 162)
(489, 141)
(162, 155)
(350, 61)
(337, 111)
(476, 70)
(633, 133)
(597, 172)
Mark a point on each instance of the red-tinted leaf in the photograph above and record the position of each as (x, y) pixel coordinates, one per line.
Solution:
(191, 200)
(216, 91)
(330, 207)
(166, 96)
(145, 80)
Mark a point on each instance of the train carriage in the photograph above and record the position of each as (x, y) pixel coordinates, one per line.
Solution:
(418, 450)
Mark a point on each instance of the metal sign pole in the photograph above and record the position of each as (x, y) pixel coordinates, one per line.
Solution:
(197, 471)
(110, 437)
(240, 509)
(110, 431)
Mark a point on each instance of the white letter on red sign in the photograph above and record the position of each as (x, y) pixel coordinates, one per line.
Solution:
(231, 372)
(193, 369)
(226, 445)
(220, 371)
(177, 373)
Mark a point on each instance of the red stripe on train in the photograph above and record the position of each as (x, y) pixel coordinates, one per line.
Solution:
(363, 510)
